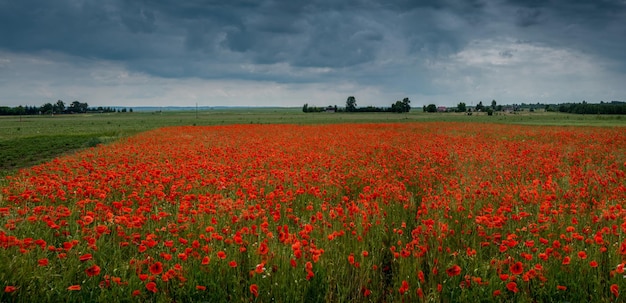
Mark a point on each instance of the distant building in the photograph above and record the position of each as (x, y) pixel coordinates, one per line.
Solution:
(441, 109)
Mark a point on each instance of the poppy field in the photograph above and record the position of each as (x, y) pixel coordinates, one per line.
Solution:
(378, 212)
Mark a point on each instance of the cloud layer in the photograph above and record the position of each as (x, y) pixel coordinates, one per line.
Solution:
(246, 52)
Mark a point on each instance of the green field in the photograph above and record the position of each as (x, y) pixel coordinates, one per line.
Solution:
(29, 140)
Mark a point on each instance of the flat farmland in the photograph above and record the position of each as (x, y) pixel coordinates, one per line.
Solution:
(29, 140)
(282, 206)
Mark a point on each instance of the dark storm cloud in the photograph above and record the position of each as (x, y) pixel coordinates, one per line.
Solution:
(358, 40)
(300, 33)
(594, 27)
(137, 18)
(527, 16)
(94, 29)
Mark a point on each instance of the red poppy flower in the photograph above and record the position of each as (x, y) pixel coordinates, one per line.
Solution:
(260, 268)
(151, 286)
(221, 255)
(263, 248)
(512, 286)
(201, 287)
(420, 293)
(87, 220)
(206, 260)
(615, 290)
(232, 264)
(622, 248)
(582, 255)
(420, 276)
(42, 262)
(404, 288)
(561, 287)
(517, 268)
(455, 270)
(93, 271)
(74, 287)
(156, 268)
(85, 257)
(254, 290)
(10, 289)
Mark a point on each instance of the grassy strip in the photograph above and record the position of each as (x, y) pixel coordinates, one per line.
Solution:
(24, 152)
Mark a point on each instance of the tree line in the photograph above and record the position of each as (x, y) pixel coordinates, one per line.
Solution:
(403, 106)
(59, 107)
(602, 108)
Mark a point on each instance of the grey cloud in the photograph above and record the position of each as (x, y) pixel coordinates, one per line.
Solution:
(592, 27)
(301, 33)
(337, 40)
(211, 38)
(137, 17)
(527, 16)
(506, 54)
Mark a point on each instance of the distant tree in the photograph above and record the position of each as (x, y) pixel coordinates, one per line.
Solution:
(351, 104)
(403, 106)
(47, 108)
(431, 108)
(305, 108)
(75, 107)
(480, 106)
(406, 105)
(461, 107)
(20, 110)
(396, 107)
(493, 104)
(130, 109)
(59, 107)
(78, 107)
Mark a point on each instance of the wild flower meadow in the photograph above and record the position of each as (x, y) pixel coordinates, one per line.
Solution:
(411, 212)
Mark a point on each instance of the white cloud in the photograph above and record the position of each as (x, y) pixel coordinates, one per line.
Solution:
(514, 71)
(35, 80)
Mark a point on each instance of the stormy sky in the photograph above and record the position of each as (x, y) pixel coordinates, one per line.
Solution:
(291, 52)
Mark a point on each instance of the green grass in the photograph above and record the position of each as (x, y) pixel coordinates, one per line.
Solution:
(29, 140)
(27, 151)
